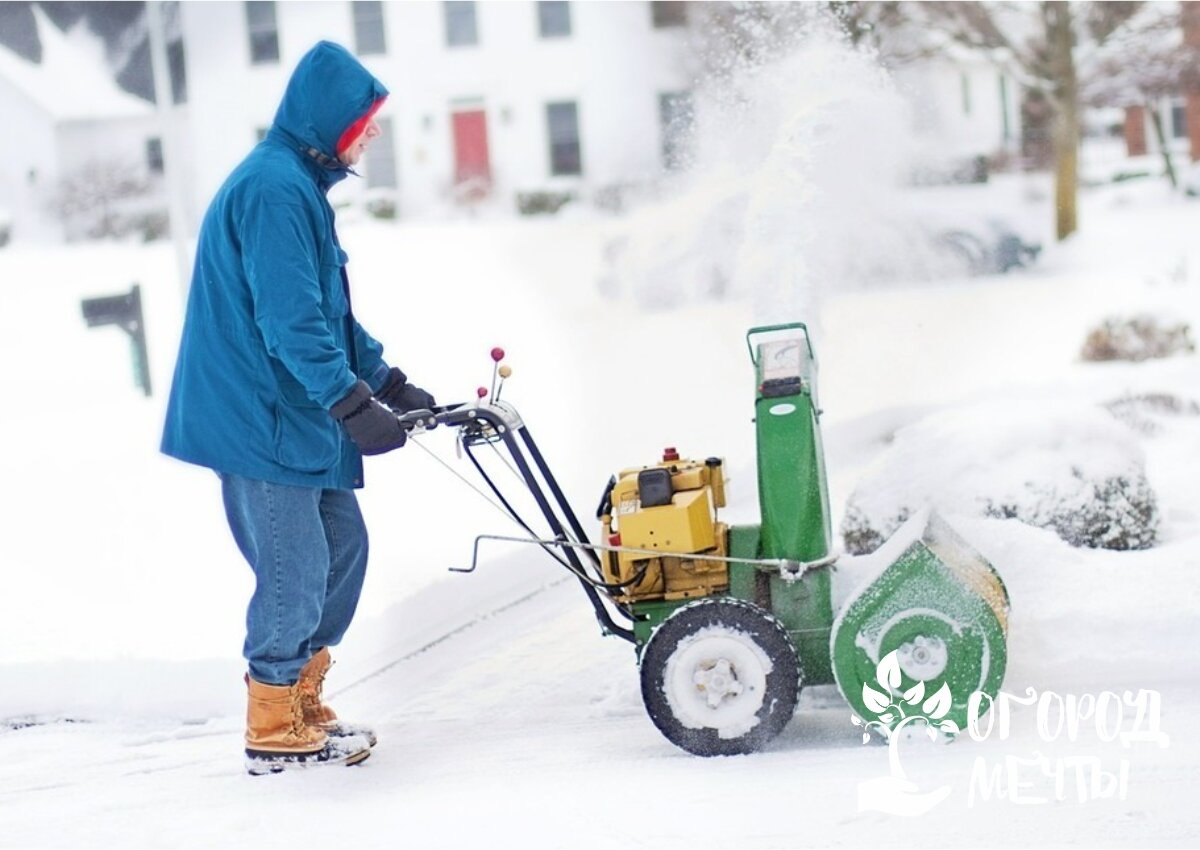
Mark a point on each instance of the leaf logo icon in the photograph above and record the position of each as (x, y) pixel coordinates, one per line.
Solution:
(938, 704)
(914, 694)
(887, 672)
(874, 700)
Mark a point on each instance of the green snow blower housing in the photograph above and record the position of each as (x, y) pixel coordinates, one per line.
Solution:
(728, 637)
(730, 622)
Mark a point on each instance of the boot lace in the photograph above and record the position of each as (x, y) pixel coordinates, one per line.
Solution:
(299, 727)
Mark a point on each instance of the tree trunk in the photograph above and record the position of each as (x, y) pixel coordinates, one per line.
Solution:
(1060, 41)
(1163, 144)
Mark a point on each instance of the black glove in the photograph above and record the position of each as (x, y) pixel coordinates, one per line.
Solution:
(398, 394)
(372, 427)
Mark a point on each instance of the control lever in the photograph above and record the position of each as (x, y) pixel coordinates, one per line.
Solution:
(504, 371)
(417, 421)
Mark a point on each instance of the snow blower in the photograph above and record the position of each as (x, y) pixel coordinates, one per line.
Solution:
(730, 622)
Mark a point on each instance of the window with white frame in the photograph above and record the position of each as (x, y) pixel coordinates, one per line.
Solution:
(562, 126)
(554, 18)
(263, 30)
(369, 37)
(1179, 128)
(461, 27)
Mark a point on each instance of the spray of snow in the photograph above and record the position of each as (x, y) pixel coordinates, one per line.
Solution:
(815, 134)
(793, 189)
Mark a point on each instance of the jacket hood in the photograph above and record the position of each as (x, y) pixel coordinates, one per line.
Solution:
(328, 92)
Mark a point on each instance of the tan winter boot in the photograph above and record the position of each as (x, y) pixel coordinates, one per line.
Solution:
(318, 714)
(277, 738)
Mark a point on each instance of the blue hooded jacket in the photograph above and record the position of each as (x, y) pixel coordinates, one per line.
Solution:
(269, 343)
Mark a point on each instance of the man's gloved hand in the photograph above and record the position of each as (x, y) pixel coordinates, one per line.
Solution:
(398, 394)
(371, 426)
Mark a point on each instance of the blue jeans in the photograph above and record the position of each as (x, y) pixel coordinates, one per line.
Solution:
(308, 549)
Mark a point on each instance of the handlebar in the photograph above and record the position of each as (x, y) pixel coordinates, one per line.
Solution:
(494, 417)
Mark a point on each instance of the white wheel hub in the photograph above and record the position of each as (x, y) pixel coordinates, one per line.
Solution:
(923, 658)
(718, 682)
(717, 679)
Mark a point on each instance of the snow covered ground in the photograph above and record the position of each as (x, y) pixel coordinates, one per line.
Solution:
(504, 718)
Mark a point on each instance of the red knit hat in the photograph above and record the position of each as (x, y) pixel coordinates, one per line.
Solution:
(356, 129)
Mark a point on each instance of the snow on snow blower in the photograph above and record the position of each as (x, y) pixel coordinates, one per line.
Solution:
(729, 622)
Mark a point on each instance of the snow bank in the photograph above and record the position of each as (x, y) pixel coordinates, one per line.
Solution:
(1068, 467)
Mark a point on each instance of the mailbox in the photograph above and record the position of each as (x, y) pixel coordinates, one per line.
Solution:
(124, 311)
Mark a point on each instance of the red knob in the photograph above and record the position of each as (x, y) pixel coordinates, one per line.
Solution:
(497, 354)
(614, 539)
(481, 392)
(670, 453)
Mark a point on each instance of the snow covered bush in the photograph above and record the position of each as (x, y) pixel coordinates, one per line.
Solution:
(1143, 412)
(1071, 469)
(1141, 337)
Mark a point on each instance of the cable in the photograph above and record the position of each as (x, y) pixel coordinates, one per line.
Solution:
(510, 513)
(600, 585)
(460, 477)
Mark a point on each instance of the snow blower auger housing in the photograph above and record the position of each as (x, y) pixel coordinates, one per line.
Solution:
(729, 622)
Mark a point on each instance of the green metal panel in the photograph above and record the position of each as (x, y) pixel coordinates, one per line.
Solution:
(803, 606)
(648, 615)
(792, 491)
(937, 592)
(743, 543)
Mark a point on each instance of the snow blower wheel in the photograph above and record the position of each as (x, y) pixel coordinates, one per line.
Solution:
(720, 677)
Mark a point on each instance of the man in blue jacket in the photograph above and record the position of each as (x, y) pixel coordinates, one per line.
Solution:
(280, 390)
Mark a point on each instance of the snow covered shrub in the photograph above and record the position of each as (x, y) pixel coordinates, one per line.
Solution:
(381, 206)
(1141, 337)
(1139, 411)
(1071, 469)
(542, 203)
(103, 198)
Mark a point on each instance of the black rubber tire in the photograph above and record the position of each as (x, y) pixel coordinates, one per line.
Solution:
(748, 624)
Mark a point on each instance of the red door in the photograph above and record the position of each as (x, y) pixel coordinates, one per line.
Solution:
(472, 166)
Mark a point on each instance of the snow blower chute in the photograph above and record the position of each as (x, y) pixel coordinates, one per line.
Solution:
(729, 622)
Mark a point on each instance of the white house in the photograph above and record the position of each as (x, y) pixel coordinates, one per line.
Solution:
(488, 100)
(60, 117)
(964, 106)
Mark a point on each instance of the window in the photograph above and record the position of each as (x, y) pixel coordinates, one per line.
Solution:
(154, 155)
(675, 118)
(673, 13)
(562, 123)
(381, 158)
(460, 23)
(264, 33)
(554, 19)
(368, 27)
(1004, 107)
(1179, 120)
(176, 69)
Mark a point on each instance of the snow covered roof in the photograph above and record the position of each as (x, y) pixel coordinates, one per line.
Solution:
(73, 81)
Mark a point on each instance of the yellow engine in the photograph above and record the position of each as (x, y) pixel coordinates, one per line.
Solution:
(669, 507)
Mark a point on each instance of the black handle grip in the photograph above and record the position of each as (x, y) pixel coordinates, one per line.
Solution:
(417, 420)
